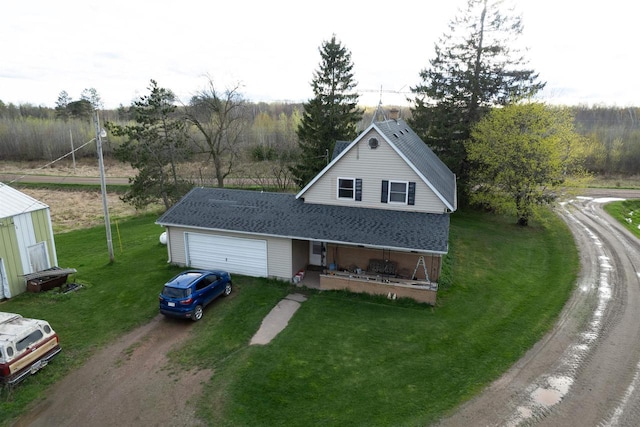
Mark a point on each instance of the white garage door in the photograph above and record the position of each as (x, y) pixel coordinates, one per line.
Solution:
(233, 254)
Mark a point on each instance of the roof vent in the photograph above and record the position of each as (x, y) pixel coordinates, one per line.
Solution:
(373, 143)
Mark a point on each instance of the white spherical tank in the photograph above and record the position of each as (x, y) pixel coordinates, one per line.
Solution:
(163, 238)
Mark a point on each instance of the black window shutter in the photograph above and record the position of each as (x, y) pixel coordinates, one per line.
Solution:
(385, 191)
(411, 199)
(358, 190)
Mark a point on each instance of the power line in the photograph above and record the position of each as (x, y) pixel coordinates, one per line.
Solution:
(47, 165)
(56, 160)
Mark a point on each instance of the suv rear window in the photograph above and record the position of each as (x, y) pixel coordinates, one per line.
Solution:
(171, 292)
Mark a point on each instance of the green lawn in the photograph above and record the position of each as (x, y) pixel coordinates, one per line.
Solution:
(627, 212)
(344, 359)
(358, 360)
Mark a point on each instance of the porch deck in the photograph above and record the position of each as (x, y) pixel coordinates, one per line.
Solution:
(419, 290)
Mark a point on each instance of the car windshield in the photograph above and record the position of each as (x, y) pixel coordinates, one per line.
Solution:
(171, 292)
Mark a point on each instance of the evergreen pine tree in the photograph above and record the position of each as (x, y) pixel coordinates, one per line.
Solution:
(154, 145)
(476, 66)
(331, 115)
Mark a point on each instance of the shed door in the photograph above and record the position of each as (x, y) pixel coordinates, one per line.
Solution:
(38, 257)
(233, 254)
(4, 283)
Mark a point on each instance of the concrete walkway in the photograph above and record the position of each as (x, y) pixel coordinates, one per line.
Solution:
(277, 319)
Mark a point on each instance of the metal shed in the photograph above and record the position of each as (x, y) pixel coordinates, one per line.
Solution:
(26, 240)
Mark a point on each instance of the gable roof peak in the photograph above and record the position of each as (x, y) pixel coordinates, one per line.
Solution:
(418, 156)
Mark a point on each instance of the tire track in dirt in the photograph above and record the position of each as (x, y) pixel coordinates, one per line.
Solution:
(586, 370)
(128, 382)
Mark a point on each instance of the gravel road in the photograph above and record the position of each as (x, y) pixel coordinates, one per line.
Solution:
(586, 371)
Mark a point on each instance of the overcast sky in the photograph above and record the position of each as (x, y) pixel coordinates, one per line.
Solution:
(586, 51)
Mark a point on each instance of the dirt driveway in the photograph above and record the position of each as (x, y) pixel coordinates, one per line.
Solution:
(125, 384)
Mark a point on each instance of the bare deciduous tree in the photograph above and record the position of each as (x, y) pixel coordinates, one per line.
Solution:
(221, 119)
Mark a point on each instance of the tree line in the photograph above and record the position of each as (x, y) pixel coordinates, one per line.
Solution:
(34, 133)
(30, 133)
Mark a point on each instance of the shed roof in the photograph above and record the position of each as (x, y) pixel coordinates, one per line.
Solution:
(283, 215)
(14, 202)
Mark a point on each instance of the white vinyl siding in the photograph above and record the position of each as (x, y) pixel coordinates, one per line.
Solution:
(373, 166)
(280, 258)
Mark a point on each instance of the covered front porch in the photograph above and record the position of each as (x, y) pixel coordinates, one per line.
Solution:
(391, 273)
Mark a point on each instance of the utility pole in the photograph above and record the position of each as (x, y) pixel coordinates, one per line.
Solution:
(100, 133)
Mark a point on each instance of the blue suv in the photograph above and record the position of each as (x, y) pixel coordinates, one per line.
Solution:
(189, 292)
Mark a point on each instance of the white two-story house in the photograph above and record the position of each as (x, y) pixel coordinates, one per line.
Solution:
(375, 219)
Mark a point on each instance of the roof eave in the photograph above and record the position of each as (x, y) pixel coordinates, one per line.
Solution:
(337, 242)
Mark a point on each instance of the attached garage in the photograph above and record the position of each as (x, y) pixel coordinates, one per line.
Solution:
(233, 254)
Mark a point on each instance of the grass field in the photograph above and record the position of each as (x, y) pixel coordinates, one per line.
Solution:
(344, 359)
(627, 212)
(355, 360)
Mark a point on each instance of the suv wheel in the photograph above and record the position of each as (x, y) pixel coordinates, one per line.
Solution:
(227, 289)
(197, 313)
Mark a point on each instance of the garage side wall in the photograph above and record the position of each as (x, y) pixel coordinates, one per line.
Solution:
(279, 250)
(300, 255)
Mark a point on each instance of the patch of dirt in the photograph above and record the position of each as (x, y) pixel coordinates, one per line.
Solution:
(83, 167)
(74, 210)
(127, 383)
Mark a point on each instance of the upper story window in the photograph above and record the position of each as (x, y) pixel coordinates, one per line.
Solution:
(350, 189)
(401, 192)
(346, 188)
(397, 192)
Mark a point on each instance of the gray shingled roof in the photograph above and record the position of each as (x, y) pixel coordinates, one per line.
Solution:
(421, 156)
(339, 148)
(281, 214)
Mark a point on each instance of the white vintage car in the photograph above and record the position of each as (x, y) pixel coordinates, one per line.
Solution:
(26, 346)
